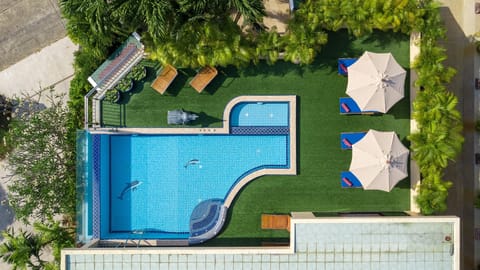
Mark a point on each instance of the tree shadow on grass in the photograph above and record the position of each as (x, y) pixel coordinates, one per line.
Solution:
(138, 86)
(280, 68)
(404, 184)
(385, 39)
(340, 45)
(401, 110)
(225, 77)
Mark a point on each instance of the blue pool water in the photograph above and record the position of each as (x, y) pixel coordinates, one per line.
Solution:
(169, 191)
(260, 114)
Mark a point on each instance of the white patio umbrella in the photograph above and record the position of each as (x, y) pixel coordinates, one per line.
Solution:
(379, 160)
(376, 81)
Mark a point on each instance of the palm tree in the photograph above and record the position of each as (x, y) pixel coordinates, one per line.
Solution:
(439, 138)
(89, 25)
(22, 250)
(269, 45)
(302, 42)
(433, 193)
(56, 235)
(205, 42)
(252, 10)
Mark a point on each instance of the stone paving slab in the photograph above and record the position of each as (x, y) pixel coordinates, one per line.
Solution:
(51, 66)
(278, 13)
(26, 26)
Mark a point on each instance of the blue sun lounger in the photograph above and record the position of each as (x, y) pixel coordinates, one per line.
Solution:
(349, 180)
(349, 106)
(347, 139)
(343, 64)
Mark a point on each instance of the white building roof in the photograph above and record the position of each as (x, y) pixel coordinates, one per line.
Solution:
(315, 243)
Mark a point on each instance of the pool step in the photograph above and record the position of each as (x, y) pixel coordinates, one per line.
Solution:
(172, 243)
(141, 243)
(206, 220)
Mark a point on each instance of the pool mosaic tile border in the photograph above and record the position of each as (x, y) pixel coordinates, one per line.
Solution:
(96, 140)
(250, 130)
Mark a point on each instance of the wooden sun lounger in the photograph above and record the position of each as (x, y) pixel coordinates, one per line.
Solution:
(276, 222)
(203, 78)
(164, 79)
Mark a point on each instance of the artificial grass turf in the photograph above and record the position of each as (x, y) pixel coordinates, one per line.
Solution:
(319, 124)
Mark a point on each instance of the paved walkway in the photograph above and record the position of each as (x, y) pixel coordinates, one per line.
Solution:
(278, 13)
(26, 26)
(51, 66)
(461, 22)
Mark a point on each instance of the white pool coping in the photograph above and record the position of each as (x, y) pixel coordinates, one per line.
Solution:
(225, 130)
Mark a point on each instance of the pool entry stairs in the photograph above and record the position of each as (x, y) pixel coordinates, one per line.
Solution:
(206, 220)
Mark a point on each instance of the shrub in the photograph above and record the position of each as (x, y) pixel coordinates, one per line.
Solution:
(112, 96)
(138, 73)
(21, 249)
(124, 85)
(433, 193)
(439, 138)
(42, 162)
(85, 64)
(5, 118)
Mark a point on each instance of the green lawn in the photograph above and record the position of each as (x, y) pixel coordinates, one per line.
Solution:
(319, 158)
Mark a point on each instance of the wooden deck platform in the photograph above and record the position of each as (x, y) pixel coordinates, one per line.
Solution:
(275, 222)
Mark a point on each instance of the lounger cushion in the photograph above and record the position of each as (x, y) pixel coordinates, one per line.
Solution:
(348, 105)
(349, 180)
(344, 63)
(346, 142)
(347, 139)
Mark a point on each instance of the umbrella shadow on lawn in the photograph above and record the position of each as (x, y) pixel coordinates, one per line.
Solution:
(281, 68)
(401, 110)
(405, 183)
(6, 212)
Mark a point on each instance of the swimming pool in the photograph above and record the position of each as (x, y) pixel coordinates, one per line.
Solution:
(177, 184)
(260, 114)
(176, 173)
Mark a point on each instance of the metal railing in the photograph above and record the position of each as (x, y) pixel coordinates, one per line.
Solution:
(98, 92)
